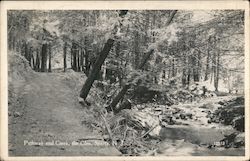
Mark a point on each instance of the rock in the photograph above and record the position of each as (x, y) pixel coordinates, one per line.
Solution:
(230, 113)
(17, 114)
(157, 109)
(238, 123)
(105, 137)
(183, 116)
(238, 144)
(229, 140)
(141, 119)
(207, 106)
(217, 121)
(156, 131)
(239, 100)
(239, 140)
(189, 115)
(81, 100)
(221, 103)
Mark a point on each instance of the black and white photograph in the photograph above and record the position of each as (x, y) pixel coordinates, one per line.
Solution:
(126, 82)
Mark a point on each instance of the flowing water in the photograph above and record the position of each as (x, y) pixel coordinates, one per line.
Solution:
(194, 137)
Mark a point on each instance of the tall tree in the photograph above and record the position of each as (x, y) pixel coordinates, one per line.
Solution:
(207, 70)
(49, 52)
(125, 88)
(99, 61)
(65, 56)
(44, 57)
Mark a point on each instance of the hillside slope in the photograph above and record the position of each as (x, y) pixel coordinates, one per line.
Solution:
(43, 107)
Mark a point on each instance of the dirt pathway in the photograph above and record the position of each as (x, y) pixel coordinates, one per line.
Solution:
(47, 110)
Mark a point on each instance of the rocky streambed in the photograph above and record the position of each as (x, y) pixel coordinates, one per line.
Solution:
(212, 126)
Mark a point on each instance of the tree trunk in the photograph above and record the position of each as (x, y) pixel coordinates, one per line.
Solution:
(217, 72)
(189, 72)
(173, 67)
(196, 67)
(82, 60)
(99, 61)
(32, 61)
(199, 66)
(146, 29)
(117, 99)
(78, 60)
(26, 52)
(37, 64)
(136, 49)
(86, 57)
(184, 69)
(49, 70)
(214, 68)
(207, 72)
(65, 56)
(96, 68)
(214, 64)
(125, 88)
(188, 77)
(74, 56)
(104, 69)
(71, 57)
(44, 58)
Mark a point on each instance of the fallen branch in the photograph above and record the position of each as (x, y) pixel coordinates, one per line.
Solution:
(108, 129)
(148, 131)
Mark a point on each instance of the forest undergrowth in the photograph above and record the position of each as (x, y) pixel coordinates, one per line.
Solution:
(137, 131)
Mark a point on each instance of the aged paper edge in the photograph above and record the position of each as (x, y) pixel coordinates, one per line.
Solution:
(111, 5)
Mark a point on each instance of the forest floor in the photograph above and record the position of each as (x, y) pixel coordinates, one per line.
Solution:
(44, 107)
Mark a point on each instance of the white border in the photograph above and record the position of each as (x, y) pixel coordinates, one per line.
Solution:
(110, 5)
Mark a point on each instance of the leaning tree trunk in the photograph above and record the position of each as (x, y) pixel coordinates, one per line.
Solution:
(96, 68)
(125, 88)
(121, 94)
(118, 98)
(99, 61)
